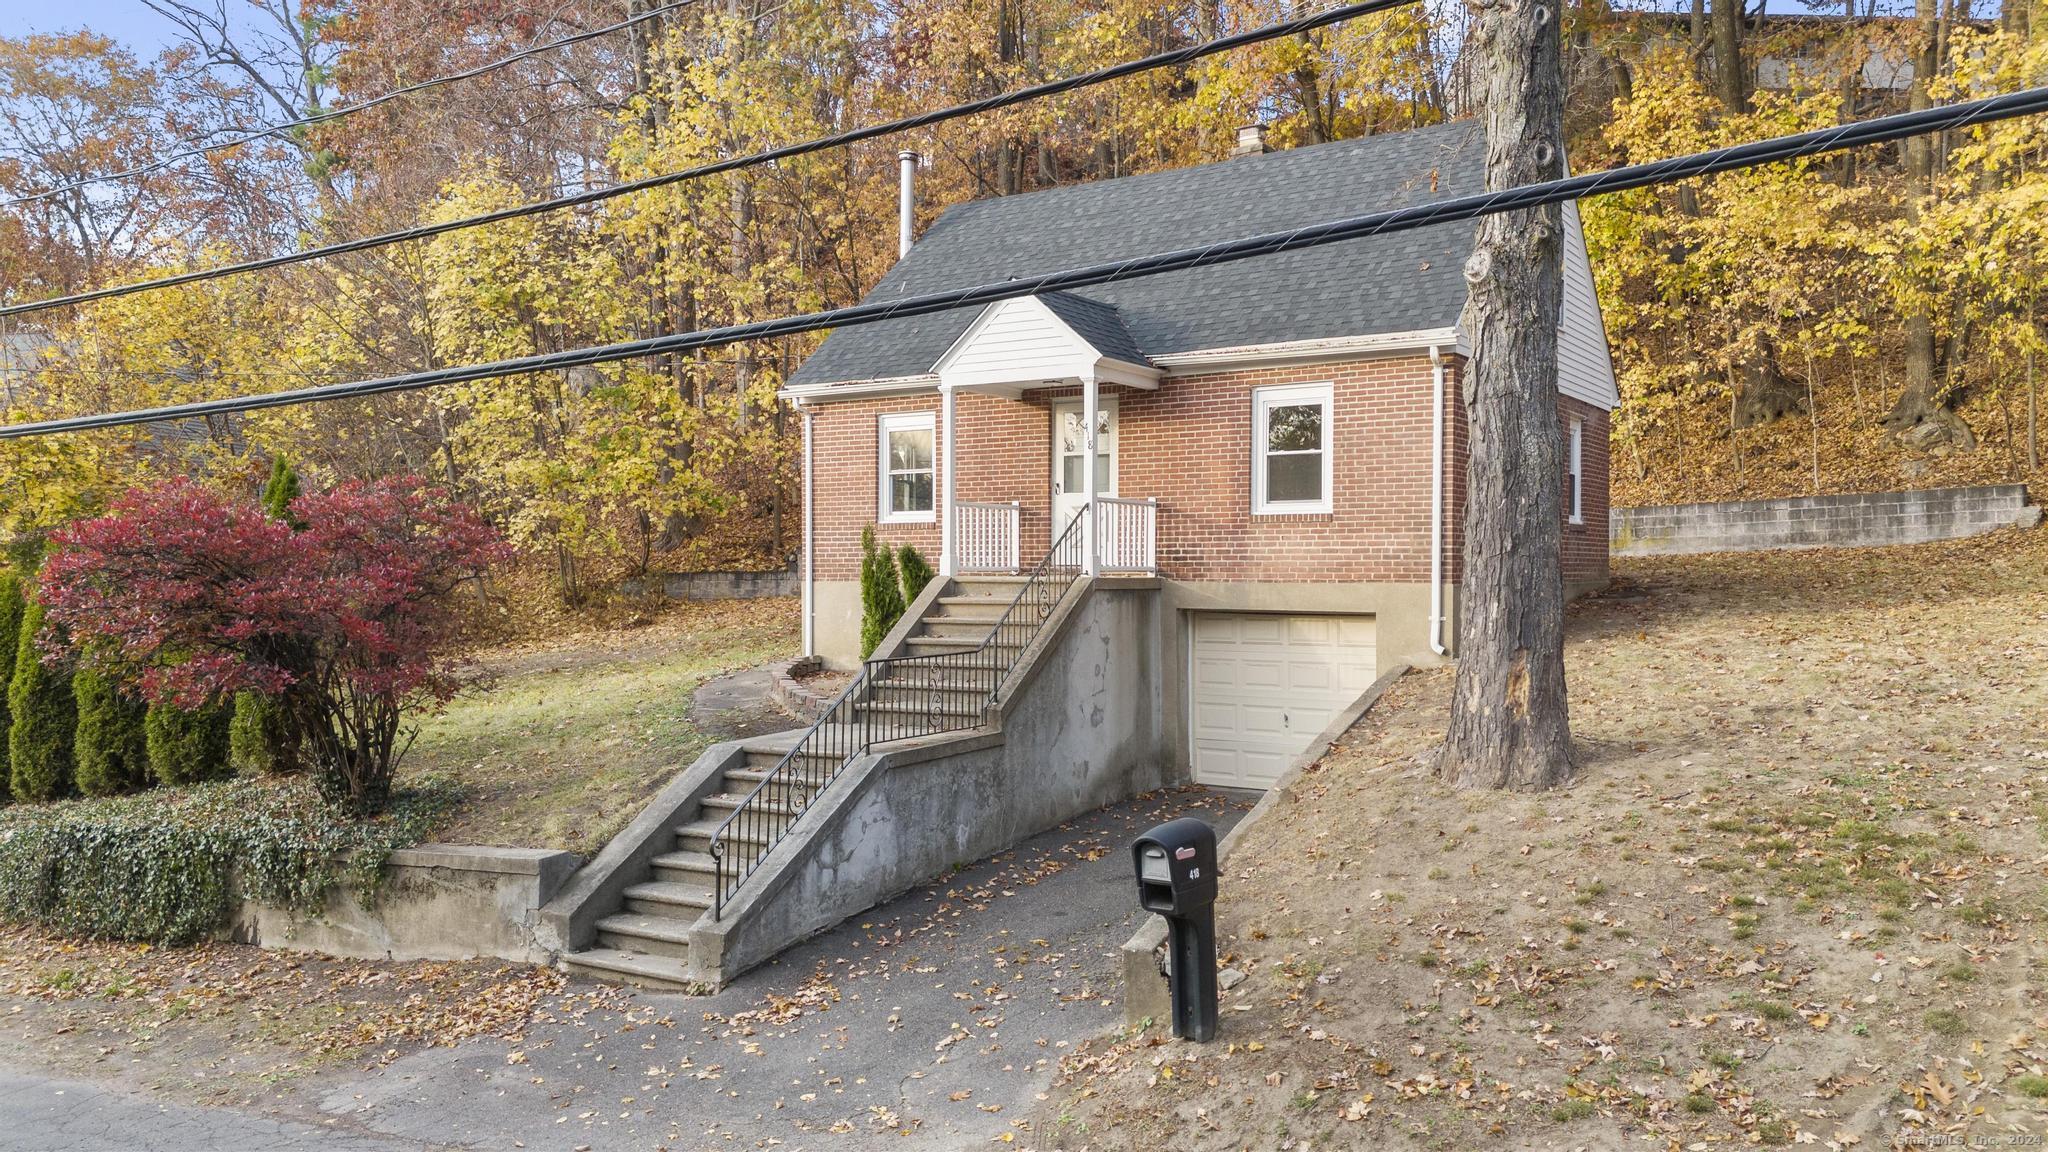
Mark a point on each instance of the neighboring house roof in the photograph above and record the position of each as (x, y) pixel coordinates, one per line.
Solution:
(1408, 282)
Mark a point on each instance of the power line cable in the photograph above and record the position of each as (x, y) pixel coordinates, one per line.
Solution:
(1879, 130)
(1000, 100)
(338, 113)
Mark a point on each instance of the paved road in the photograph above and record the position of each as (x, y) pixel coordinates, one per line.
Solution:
(931, 1022)
(43, 1115)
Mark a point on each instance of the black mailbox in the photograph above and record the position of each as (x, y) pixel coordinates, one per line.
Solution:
(1176, 867)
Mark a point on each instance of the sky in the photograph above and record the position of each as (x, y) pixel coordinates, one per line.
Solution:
(129, 21)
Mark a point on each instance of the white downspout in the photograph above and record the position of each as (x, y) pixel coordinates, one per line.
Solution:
(948, 545)
(810, 636)
(1436, 503)
(906, 200)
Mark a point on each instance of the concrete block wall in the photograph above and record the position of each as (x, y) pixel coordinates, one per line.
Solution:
(436, 902)
(1855, 520)
(725, 585)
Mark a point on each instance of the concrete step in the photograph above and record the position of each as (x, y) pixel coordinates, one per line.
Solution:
(952, 687)
(718, 804)
(763, 760)
(972, 630)
(677, 901)
(926, 708)
(616, 966)
(741, 781)
(647, 935)
(696, 837)
(970, 610)
(927, 645)
(695, 869)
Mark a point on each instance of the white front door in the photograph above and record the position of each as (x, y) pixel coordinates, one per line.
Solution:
(1262, 687)
(1069, 483)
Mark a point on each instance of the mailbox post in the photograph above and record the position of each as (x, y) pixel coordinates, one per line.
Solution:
(1176, 866)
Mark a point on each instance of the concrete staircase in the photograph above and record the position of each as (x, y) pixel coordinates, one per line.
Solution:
(647, 940)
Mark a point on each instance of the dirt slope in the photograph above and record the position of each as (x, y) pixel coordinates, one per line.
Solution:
(1795, 895)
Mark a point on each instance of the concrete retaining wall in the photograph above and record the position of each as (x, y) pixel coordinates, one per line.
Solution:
(1818, 521)
(1082, 729)
(437, 902)
(723, 585)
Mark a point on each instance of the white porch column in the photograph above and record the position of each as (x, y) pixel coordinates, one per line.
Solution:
(1091, 560)
(948, 564)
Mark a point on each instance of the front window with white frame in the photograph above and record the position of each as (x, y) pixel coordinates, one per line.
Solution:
(1291, 449)
(1575, 486)
(906, 468)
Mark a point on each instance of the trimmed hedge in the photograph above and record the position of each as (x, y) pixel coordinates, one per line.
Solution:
(12, 605)
(187, 746)
(917, 572)
(43, 716)
(111, 751)
(881, 596)
(259, 743)
(165, 867)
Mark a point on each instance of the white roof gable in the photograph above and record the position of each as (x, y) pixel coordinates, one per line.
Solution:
(1585, 368)
(1020, 343)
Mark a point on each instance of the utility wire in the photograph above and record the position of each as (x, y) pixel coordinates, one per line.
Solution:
(1178, 56)
(1879, 130)
(337, 113)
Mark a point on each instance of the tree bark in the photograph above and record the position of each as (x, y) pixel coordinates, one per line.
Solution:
(1731, 83)
(1509, 726)
(1921, 418)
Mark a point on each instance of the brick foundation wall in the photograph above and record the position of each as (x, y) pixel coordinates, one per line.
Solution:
(1189, 445)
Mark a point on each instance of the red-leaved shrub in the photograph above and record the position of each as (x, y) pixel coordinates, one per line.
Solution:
(196, 597)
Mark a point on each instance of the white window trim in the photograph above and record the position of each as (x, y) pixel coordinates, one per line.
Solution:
(1578, 493)
(1264, 400)
(903, 422)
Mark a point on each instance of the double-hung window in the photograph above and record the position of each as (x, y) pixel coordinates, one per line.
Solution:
(1291, 449)
(906, 468)
(1574, 479)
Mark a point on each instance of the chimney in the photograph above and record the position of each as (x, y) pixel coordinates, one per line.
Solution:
(1251, 141)
(906, 200)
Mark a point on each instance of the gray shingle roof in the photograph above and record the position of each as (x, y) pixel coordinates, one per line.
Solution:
(1096, 322)
(1399, 283)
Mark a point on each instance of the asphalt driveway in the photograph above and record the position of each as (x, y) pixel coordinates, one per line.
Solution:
(934, 1021)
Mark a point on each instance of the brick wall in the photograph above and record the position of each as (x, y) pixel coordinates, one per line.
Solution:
(1189, 445)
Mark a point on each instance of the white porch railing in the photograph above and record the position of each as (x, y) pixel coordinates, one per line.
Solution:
(1127, 534)
(985, 536)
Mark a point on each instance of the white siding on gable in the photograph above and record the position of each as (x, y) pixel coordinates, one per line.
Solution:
(1016, 341)
(1585, 369)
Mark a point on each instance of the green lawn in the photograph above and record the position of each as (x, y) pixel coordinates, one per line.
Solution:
(576, 733)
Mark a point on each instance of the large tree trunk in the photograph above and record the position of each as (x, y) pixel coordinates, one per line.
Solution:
(1509, 726)
(1731, 82)
(1921, 419)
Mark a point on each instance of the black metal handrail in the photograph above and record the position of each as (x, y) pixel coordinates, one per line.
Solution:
(937, 702)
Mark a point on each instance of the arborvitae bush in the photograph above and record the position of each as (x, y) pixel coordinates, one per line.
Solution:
(11, 607)
(111, 750)
(259, 737)
(917, 573)
(280, 490)
(187, 745)
(881, 597)
(44, 718)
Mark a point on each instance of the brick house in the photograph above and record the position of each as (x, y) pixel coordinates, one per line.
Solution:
(1280, 442)
(1267, 516)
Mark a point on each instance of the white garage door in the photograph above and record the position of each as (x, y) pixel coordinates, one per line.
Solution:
(1264, 686)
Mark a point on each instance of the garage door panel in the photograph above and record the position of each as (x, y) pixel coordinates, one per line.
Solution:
(1263, 686)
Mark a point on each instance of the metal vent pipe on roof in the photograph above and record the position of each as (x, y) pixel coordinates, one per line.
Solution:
(906, 200)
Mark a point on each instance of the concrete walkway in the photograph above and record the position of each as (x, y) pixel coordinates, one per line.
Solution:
(932, 1022)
